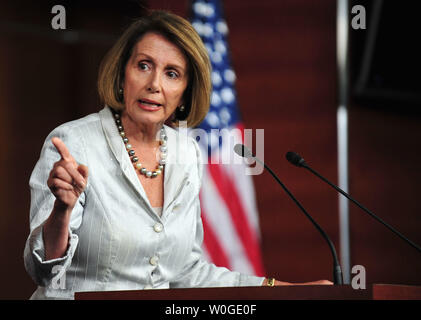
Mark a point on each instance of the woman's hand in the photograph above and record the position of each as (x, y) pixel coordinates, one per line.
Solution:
(282, 283)
(67, 179)
(314, 283)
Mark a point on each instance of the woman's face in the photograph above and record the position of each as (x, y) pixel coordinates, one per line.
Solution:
(156, 77)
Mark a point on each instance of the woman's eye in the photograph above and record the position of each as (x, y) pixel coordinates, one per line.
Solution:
(172, 75)
(143, 66)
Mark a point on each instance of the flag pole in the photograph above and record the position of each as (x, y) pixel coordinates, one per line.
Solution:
(342, 35)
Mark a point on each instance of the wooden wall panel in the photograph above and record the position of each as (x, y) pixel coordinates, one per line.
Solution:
(384, 177)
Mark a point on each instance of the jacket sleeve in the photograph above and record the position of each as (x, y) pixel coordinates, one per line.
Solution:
(198, 272)
(45, 272)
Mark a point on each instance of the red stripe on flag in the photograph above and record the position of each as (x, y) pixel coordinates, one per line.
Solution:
(230, 196)
(213, 247)
(240, 126)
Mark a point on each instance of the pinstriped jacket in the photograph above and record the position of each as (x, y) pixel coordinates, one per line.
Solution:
(116, 239)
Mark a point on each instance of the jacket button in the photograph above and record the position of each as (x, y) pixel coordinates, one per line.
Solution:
(158, 227)
(154, 260)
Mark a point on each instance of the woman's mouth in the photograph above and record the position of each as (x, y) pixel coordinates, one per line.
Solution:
(149, 105)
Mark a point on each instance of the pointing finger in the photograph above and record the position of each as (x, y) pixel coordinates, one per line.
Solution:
(62, 149)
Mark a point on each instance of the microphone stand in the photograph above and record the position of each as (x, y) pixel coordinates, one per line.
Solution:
(298, 161)
(337, 271)
(304, 165)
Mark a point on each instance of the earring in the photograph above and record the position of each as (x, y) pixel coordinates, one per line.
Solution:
(120, 91)
(181, 108)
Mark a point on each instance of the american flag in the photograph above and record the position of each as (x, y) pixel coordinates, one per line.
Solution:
(229, 212)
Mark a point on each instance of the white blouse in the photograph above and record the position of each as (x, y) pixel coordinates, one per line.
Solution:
(117, 240)
(158, 211)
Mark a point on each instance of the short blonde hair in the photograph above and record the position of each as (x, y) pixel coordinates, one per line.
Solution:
(181, 33)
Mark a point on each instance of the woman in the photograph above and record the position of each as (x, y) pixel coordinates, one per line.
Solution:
(132, 221)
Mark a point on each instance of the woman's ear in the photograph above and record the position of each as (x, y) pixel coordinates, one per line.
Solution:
(181, 112)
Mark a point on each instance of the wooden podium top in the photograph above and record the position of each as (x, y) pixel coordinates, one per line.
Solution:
(316, 292)
(396, 292)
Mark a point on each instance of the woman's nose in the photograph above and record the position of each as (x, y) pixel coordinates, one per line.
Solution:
(154, 83)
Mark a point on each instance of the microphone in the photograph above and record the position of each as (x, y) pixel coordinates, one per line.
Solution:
(243, 151)
(298, 161)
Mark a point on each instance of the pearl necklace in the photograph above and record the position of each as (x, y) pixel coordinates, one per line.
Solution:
(135, 160)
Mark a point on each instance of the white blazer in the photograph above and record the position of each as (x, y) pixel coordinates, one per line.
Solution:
(117, 241)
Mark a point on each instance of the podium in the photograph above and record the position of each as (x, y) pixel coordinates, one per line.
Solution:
(316, 292)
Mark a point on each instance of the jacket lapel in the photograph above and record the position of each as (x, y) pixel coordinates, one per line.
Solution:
(176, 170)
(118, 149)
(177, 165)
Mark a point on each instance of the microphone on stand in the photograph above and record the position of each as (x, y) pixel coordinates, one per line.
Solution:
(243, 151)
(298, 161)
